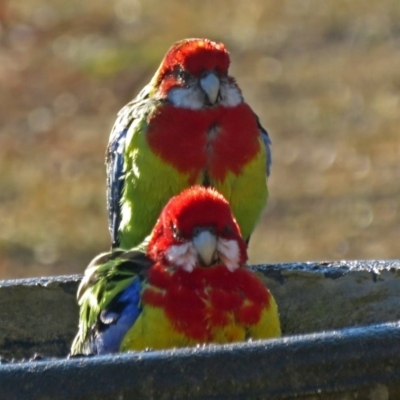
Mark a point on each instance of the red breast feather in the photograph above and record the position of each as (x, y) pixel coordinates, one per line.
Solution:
(206, 298)
(185, 139)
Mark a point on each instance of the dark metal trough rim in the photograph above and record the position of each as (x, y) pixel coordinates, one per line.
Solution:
(328, 268)
(324, 362)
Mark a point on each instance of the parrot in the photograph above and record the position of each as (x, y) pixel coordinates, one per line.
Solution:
(190, 125)
(186, 284)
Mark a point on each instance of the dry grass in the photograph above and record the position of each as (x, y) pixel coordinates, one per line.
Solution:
(323, 76)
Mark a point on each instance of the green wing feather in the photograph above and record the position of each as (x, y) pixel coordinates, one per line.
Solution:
(105, 277)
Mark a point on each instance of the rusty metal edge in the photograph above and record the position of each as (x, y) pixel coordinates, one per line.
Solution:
(343, 361)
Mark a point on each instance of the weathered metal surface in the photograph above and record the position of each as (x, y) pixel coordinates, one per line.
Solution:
(40, 316)
(320, 296)
(360, 363)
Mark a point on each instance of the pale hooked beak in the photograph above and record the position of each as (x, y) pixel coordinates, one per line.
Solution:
(210, 84)
(205, 243)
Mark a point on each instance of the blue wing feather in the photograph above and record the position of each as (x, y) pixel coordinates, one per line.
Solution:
(115, 184)
(116, 319)
(115, 159)
(109, 300)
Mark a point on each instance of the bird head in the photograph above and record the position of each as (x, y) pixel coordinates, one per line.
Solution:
(197, 229)
(194, 74)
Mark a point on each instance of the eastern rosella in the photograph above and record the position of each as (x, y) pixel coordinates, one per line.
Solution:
(189, 125)
(190, 287)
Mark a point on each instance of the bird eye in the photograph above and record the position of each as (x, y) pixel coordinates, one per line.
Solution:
(196, 231)
(227, 230)
(176, 234)
(183, 75)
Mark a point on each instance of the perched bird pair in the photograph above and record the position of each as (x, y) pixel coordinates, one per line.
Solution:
(186, 283)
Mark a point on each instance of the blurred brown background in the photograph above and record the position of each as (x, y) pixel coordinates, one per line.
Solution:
(324, 76)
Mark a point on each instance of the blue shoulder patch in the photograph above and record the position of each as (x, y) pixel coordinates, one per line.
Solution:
(117, 319)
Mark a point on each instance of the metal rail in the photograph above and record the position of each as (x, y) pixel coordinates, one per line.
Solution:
(353, 354)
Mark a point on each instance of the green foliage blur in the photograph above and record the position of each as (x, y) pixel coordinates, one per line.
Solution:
(324, 77)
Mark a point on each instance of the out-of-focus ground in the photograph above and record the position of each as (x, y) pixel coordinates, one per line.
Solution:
(324, 76)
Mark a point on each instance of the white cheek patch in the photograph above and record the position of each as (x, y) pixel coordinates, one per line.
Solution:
(229, 253)
(187, 98)
(193, 97)
(183, 255)
(230, 95)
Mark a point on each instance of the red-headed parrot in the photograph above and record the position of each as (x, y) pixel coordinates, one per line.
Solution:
(191, 286)
(189, 125)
